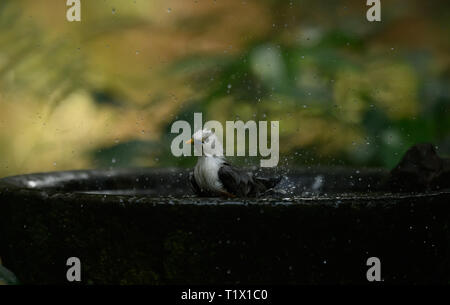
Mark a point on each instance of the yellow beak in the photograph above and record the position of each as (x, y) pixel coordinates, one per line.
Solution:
(190, 141)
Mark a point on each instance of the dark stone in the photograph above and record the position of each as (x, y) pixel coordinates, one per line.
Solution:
(419, 170)
(140, 227)
(7, 277)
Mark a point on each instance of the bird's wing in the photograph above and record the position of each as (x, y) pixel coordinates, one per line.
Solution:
(234, 181)
(242, 184)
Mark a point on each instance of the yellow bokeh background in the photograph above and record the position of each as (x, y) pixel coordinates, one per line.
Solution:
(68, 89)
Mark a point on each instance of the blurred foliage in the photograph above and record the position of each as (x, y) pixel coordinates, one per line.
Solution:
(104, 92)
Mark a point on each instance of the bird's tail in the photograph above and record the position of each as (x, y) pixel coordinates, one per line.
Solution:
(269, 183)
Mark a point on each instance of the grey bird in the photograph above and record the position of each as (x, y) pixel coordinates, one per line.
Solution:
(214, 176)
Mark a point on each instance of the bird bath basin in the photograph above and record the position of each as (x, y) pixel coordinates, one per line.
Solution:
(145, 226)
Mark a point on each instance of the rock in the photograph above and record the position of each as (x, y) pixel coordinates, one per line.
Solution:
(7, 277)
(421, 169)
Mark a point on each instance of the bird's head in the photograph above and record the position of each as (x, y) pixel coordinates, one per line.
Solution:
(207, 140)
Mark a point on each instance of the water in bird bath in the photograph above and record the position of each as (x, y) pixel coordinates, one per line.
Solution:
(309, 184)
(173, 185)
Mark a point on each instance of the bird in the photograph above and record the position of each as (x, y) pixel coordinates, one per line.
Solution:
(214, 176)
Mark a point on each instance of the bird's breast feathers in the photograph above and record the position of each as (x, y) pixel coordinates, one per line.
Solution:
(206, 174)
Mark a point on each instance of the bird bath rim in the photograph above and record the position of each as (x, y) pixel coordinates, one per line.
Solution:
(171, 186)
